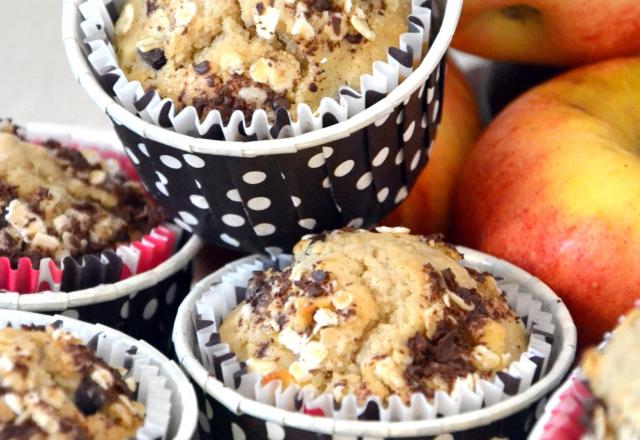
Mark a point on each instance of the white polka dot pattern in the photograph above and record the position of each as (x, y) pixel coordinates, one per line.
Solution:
(170, 162)
(193, 160)
(254, 203)
(254, 177)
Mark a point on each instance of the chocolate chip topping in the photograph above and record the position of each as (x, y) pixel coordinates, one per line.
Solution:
(313, 87)
(353, 38)
(151, 6)
(202, 68)
(445, 354)
(260, 8)
(89, 397)
(154, 58)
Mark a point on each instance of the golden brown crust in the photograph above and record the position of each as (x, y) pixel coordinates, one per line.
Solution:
(57, 202)
(254, 54)
(374, 314)
(52, 386)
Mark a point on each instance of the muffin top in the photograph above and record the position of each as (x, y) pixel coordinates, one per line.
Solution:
(374, 314)
(613, 378)
(58, 202)
(254, 54)
(53, 386)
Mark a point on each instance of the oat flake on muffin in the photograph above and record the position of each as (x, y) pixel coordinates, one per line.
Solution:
(374, 314)
(254, 54)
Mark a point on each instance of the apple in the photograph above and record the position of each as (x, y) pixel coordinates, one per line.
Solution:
(426, 209)
(553, 186)
(558, 32)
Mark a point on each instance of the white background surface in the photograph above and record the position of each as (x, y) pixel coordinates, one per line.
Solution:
(36, 83)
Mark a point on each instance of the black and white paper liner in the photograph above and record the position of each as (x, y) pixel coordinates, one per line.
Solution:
(265, 203)
(263, 196)
(98, 29)
(227, 413)
(167, 395)
(467, 395)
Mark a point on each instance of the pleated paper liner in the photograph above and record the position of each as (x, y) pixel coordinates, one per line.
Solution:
(241, 408)
(262, 196)
(567, 413)
(89, 270)
(169, 400)
(98, 30)
(143, 304)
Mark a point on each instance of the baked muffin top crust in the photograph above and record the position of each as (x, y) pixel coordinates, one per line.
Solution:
(254, 54)
(53, 387)
(57, 202)
(374, 314)
(613, 377)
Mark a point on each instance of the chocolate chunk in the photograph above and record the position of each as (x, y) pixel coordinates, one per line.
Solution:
(353, 38)
(321, 5)
(202, 68)
(260, 8)
(313, 87)
(154, 58)
(450, 279)
(89, 397)
(318, 276)
(336, 21)
(151, 6)
(261, 350)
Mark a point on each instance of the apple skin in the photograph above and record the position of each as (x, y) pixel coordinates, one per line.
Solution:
(553, 186)
(558, 32)
(427, 208)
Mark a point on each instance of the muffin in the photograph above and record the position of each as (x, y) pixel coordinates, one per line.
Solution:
(374, 315)
(53, 386)
(613, 378)
(58, 202)
(254, 54)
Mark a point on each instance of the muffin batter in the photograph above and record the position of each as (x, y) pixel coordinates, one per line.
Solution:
(53, 387)
(374, 314)
(57, 202)
(254, 54)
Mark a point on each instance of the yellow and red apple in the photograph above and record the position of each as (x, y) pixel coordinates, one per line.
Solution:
(553, 186)
(427, 208)
(559, 32)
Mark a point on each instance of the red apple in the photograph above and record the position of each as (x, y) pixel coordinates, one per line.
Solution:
(553, 186)
(426, 210)
(559, 32)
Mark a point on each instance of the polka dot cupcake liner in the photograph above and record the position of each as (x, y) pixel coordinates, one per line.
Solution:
(263, 195)
(98, 31)
(237, 406)
(136, 289)
(169, 399)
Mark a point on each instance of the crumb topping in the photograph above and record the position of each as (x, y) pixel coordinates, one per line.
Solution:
(53, 386)
(254, 54)
(374, 314)
(57, 202)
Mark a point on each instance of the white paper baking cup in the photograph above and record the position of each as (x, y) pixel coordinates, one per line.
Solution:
(510, 416)
(142, 305)
(262, 196)
(98, 27)
(167, 394)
